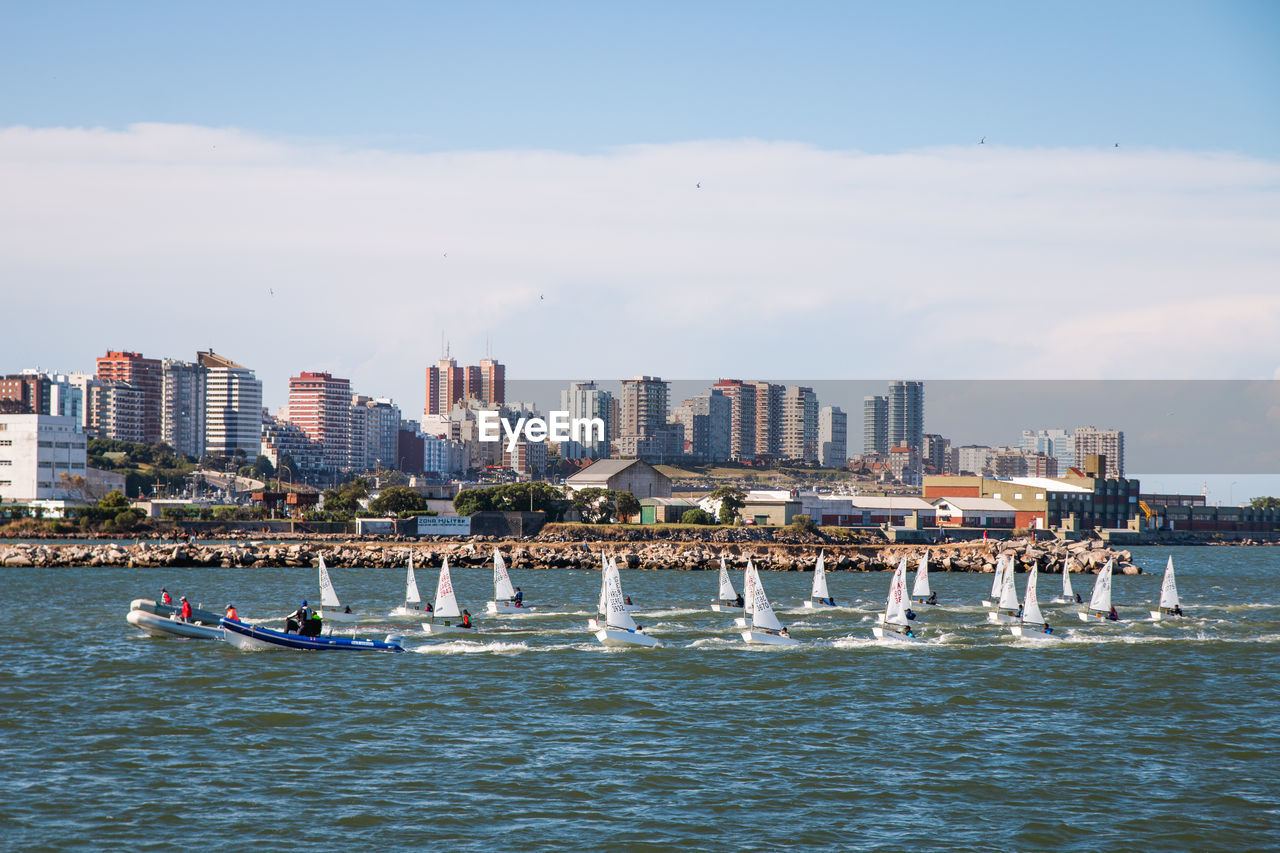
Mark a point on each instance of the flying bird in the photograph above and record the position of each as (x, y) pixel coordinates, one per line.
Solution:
(982, 141)
(271, 290)
(1117, 145)
(699, 185)
(542, 298)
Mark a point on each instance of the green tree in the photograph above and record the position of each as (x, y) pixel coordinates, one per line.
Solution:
(345, 499)
(471, 501)
(802, 523)
(262, 468)
(731, 500)
(1265, 503)
(113, 502)
(697, 516)
(397, 499)
(625, 505)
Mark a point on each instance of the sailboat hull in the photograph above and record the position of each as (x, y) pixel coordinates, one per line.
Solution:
(339, 616)
(742, 622)
(764, 638)
(814, 604)
(618, 637)
(1093, 616)
(726, 608)
(409, 612)
(891, 636)
(434, 628)
(504, 607)
(1030, 633)
(1000, 617)
(986, 602)
(161, 626)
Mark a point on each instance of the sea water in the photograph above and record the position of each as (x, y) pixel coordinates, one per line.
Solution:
(529, 735)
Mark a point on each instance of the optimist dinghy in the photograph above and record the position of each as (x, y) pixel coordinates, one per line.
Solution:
(820, 596)
(602, 606)
(504, 594)
(894, 625)
(1032, 624)
(331, 609)
(728, 600)
(997, 584)
(412, 598)
(171, 626)
(251, 638)
(749, 581)
(1169, 605)
(1008, 613)
(921, 592)
(765, 628)
(1100, 609)
(1068, 594)
(619, 629)
(446, 607)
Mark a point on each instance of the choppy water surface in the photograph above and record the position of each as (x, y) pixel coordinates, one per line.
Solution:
(530, 735)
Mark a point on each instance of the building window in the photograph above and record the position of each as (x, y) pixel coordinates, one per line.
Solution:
(6, 482)
(45, 485)
(44, 444)
(62, 444)
(6, 461)
(45, 465)
(8, 442)
(77, 466)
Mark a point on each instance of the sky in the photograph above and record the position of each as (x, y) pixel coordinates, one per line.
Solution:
(589, 190)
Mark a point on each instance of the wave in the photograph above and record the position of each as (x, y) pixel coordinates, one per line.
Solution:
(465, 647)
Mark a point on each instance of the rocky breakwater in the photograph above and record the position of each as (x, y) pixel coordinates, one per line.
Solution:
(798, 555)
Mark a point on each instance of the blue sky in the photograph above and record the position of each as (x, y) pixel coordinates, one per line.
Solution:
(875, 77)
(599, 190)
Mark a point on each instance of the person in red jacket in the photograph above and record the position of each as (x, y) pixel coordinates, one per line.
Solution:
(186, 610)
(231, 613)
(165, 597)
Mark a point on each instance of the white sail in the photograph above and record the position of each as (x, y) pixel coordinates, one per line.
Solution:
(616, 614)
(762, 615)
(602, 608)
(1168, 588)
(997, 582)
(895, 608)
(921, 589)
(1101, 600)
(820, 579)
(328, 597)
(446, 606)
(502, 589)
(749, 588)
(1067, 592)
(1030, 606)
(726, 585)
(411, 595)
(1008, 592)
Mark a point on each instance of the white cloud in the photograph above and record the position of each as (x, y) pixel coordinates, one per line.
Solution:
(981, 261)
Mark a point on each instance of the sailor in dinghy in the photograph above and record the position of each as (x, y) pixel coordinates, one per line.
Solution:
(446, 608)
(505, 597)
(619, 629)
(820, 596)
(1068, 594)
(729, 600)
(412, 598)
(1100, 607)
(1032, 623)
(921, 591)
(749, 580)
(997, 584)
(331, 608)
(1009, 611)
(1169, 604)
(765, 628)
(894, 624)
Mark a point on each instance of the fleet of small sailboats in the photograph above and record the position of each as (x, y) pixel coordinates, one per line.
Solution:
(1169, 605)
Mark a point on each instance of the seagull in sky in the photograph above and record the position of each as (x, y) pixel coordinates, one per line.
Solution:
(1117, 145)
(699, 185)
(271, 290)
(982, 141)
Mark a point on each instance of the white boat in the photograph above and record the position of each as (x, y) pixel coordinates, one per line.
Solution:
(199, 615)
(602, 606)
(749, 581)
(1007, 612)
(412, 598)
(1032, 624)
(997, 584)
(921, 592)
(619, 629)
(1169, 605)
(894, 624)
(331, 609)
(504, 594)
(1100, 608)
(171, 626)
(1068, 594)
(446, 610)
(728, 600)
(765, 628)
(820, 596)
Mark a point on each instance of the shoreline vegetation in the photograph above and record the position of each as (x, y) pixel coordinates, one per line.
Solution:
(1086, 556)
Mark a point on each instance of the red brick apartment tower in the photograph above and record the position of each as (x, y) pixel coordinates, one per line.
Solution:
(320, 405)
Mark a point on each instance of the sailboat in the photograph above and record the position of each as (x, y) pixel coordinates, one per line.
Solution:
(921, 592)
(1169, 605)
(749, 581)
(504, 595)
(1032, 623)
(446, 607)
(1068, 594)
(893, 624)
(1100, 608)
(411, 596)
(619, 629)
(1006, 611)
(820, 596)
(729, 600)
(997, 584)
(602, 607)
(765, 628)
(331, 609)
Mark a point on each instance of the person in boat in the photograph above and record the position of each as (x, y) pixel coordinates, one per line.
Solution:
(627, 600)
(932, 599)
(1079, 600)
(911, 614)
(1113, 616)
(1047, 629)
(784, 632)
(1019, 611)
(909, 632)
(231, 613)
(427, 608)
(186, 610)
(1176, 611)
(165, 597)
(519, 599)
(466, 619)
(348, 610)
(295, 620)
(738, 602)
(311, 626)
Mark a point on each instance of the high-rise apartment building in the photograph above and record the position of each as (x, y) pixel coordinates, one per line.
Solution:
(936, 454)
(145, 374)
(906, 414)
(117, 411)
(375, 434)
(25, 394)
(742, 418)
(232, 407)
(320, 404)
(645, 432)
(705, 419)
(182, 399)
(833, 437)
(799, 424)
(585, 400)
(875, 424)
(1057, 443)
(769, 405)
(448, 384)
(1090, 441)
